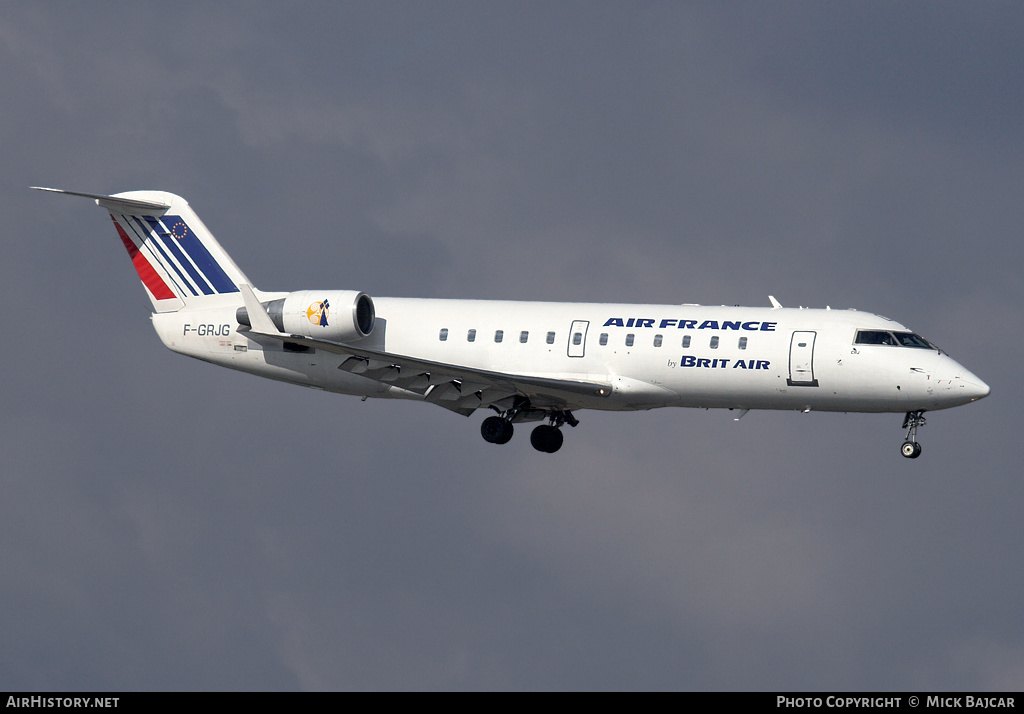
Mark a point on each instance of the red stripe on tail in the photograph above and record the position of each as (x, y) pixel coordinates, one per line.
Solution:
(149, 277)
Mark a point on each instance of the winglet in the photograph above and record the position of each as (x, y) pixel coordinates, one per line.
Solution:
(258, 317)
(775, 303)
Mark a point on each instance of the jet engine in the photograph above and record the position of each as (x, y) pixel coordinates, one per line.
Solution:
(335, 315)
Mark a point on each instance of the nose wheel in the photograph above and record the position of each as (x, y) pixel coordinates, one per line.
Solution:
(910, 448)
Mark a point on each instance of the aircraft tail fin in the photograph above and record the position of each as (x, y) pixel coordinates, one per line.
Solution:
(175, 255)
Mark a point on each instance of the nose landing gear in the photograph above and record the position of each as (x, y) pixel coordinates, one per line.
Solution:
(910, 448)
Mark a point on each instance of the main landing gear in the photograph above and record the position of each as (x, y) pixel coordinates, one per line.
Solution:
(496, 430)
(911, 449)
(546, 437)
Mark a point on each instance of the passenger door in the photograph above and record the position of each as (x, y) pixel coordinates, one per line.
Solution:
(801, 360)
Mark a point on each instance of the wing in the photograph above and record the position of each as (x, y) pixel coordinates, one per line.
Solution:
(456, 387)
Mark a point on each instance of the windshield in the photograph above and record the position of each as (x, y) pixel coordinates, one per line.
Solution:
(909, 339)
(896, 339)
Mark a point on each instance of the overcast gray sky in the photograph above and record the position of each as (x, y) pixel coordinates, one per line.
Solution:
(168, 524)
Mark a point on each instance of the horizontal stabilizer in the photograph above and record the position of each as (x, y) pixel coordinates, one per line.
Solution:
(113, 203)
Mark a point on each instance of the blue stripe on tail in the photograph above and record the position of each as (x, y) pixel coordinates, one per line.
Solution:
(145, 236)
(175, 250)
(187, 239)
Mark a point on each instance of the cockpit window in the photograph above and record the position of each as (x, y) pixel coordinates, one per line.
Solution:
(909, 339)
(874, 337)
(901, 339)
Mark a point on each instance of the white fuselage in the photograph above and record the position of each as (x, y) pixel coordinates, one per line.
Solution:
(651, 355)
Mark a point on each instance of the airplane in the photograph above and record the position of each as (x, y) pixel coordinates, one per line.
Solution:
(526, 361)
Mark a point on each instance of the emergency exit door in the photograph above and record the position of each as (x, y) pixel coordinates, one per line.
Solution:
(578, 337)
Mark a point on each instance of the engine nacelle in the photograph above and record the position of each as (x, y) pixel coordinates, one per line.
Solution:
(335, 315)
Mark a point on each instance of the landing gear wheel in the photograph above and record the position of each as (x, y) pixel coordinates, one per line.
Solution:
(496, 430)
(911, 449)
(546, 438)
(506, 434)
(912, 422)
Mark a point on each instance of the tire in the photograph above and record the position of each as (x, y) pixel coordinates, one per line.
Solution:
(506, 432)
(910, 449)
(493, 429)
(546, 438)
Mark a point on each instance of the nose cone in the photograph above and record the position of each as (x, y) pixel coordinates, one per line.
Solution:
(972, 387)
(964, 386)
(955, 384)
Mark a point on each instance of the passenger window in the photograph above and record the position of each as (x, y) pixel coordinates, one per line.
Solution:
(471, 336)
(714, 342)
(629, 340)
(686, 342)
(443, 336)
(524, 336)
(577, 338)
(499, 335)
(657, 340)
(604, 339)
(743, 343)
(551, 338)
